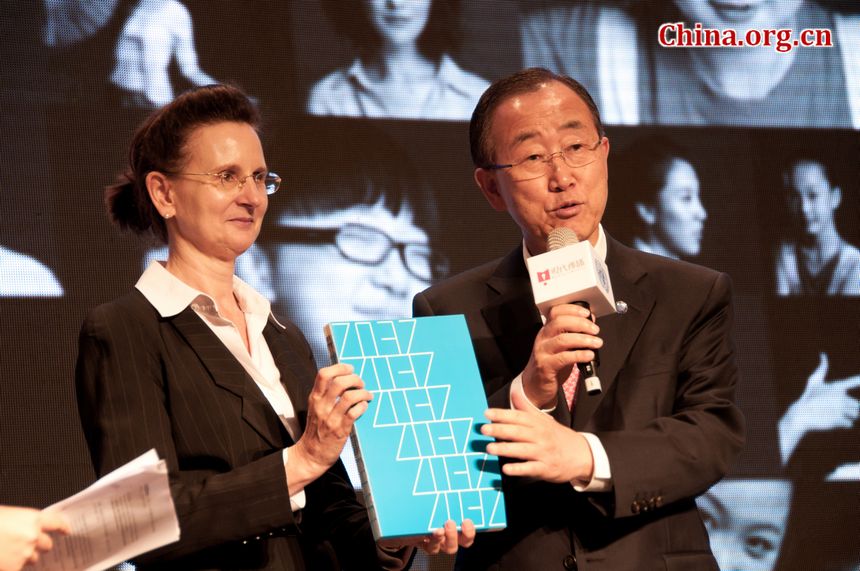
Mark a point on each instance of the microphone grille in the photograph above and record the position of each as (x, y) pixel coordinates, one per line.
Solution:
(559, 238)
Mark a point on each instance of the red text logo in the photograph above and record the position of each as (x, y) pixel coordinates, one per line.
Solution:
(678, 35)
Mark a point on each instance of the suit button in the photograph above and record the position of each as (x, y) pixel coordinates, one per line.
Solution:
(634, 507)
(659, 501)
(569, 563)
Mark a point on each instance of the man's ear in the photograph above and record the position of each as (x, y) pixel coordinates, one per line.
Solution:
(646, 213)
(489, 186)
(158, 187)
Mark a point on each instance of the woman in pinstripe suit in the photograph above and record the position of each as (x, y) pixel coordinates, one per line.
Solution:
(193, 363)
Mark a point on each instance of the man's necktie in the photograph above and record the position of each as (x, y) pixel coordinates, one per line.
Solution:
(569, 387)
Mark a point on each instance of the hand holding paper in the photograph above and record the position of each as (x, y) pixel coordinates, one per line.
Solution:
(125, 513)
(25, 533)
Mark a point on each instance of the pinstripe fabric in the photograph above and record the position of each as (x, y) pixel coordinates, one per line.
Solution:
(144, 381)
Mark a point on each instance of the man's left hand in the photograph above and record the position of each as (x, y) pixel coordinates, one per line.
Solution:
(546, 449)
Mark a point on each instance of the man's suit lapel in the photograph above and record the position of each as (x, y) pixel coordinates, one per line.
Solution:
(230, 375)
(512, 316)
(619, 332)
(514, 320)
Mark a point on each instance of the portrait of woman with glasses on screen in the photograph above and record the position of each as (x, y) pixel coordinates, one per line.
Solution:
(404, 68)
(353, 241)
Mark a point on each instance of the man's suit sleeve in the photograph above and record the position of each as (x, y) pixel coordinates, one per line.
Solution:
(421, 307)
(122, 399)
(679, 455)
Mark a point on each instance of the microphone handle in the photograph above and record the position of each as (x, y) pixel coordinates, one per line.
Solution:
(588, 370)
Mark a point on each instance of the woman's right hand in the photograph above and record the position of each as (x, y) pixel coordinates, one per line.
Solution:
(336, 401)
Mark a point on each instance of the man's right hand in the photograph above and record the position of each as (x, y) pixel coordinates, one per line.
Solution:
(568, 337)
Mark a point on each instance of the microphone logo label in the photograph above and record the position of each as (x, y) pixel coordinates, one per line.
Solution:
(559, 270)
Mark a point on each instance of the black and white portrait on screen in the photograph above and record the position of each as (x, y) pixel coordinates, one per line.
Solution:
(815, 259)
(746, 520)
(404, 68)
(156, 34)
(662, 192)
(613, 48)
(154, 51)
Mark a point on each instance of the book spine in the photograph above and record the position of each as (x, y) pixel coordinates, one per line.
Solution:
(329, 341)
(366, 488)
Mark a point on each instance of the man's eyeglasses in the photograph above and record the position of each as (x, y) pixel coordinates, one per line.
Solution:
(230, 182)
(366, 245)
(536, 165)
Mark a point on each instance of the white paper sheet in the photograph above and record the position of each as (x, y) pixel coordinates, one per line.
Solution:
(125, 513)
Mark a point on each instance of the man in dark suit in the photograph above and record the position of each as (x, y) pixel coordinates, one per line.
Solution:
(609, 484)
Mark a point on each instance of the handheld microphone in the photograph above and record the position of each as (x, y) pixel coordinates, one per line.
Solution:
(571, 272)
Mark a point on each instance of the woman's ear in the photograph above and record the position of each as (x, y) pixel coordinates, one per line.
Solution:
(160, 193)
(646, 213)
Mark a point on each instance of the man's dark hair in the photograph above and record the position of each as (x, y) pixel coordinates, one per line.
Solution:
(525, 81)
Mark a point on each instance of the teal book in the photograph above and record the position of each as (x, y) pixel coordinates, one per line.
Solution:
(419, 450)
